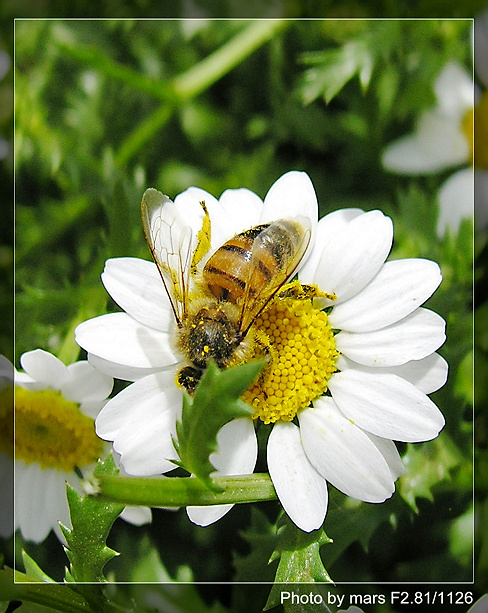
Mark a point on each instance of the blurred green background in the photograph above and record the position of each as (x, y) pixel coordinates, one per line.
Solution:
(107, 108)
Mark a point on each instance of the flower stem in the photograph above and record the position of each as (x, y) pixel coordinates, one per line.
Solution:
(196, 80)
(186, 491)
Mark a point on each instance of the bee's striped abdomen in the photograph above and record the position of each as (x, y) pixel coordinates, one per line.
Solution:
(234, 265)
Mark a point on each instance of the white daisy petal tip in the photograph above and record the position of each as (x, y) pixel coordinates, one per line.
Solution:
(300, 488)
(236, 455)
(392, 408)
(44, 367)
(347, 276)
(291, 195)
(343, 454)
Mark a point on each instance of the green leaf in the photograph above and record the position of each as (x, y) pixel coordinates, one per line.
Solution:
(333, 68)
(350, 520)
(217, 400)
(33, 569)
(426, 466)
(15, 585)
(261, 538)
(92, 519)
(152, 583)
(300, 561)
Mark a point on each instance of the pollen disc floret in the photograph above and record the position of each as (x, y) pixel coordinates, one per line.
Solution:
(302, 358)
(52, 431)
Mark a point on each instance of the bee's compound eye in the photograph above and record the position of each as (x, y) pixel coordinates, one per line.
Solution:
(189, 377)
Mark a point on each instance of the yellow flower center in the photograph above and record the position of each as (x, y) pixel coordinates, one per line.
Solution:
(50, 430)
(300, 345)
(481, 132)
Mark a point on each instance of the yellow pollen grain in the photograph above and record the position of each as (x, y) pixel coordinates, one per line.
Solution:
(302, 360)
(53, 432)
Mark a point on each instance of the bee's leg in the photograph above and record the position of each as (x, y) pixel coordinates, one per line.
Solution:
(188, 378)
(264, 349)
(303, 292)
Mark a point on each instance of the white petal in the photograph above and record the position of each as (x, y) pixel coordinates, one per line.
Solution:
(454, 90)
(236, 455)
(353, 255)
(40, 500)
(187, 210)
(428, 374)
(23, 380)
(137, 516)
(44, 368)
(398, 288)
(301, 490)
(390, 453)
(141, 421)
(343, 454)
(92, 408)
(291, 195)
(237, 448)
(55, 499)
(123, 372)
(413, 338)
(27, 484)
(239, 210)
(137, 287)
(86, 384)
(438, 143)
(386, 405)
(327, 228)
(118, 338)
(456, 201)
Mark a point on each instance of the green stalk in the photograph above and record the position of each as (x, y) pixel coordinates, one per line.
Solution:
(186, 491)
(196, 80)
(182, 88)
(142, 134)
(204, 74)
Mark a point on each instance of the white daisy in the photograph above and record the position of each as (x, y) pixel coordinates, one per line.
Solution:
(443, 139)
(55, 439)
(341, 385)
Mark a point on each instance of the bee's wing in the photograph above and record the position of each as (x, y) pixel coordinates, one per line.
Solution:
(171, 246)
(276, 253)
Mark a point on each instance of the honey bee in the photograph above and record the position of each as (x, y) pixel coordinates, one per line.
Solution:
(216, 303)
